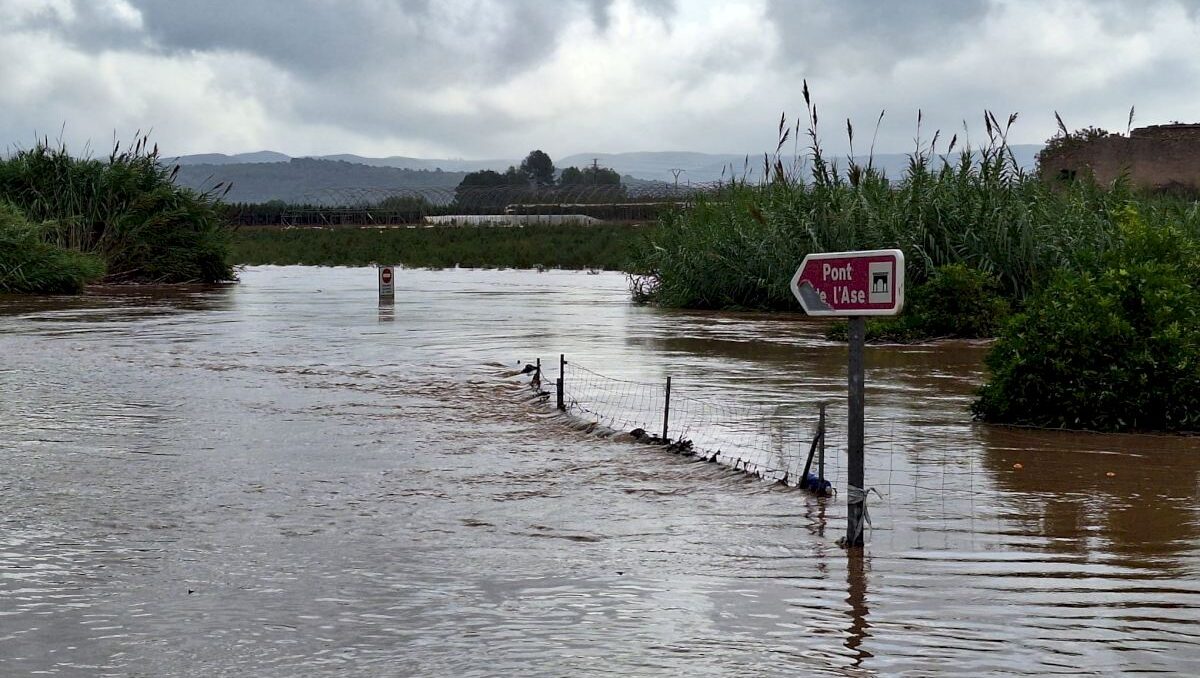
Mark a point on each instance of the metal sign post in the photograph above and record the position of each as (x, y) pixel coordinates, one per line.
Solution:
(853, 285)
(855, 402)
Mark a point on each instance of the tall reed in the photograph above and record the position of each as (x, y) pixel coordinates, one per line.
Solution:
(975, 207)
(30, 264)
(127, 210)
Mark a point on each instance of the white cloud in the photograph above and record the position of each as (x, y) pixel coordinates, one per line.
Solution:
(641, 83)
(494, 79)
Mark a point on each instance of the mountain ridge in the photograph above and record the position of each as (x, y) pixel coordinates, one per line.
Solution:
(267, 175)
(694, 166)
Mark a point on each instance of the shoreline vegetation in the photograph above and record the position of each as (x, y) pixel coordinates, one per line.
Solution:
(66, 222)
(568, 246)
(1091, 291)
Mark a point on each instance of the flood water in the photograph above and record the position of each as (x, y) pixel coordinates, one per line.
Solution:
(282, 478)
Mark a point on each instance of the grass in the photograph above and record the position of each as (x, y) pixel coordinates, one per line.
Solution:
(606, 246)
(126, 211)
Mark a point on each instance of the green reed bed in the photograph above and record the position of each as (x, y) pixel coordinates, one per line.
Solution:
(739, 248)
(29, 263)
(971, 207)
(605, 246)
(125, 210)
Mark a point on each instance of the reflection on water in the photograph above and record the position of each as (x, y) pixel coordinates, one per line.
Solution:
(1128, 499)
(856, 600)
(285, 477)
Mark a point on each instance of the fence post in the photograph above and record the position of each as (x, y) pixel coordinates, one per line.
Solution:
(562, 361)
(821, 449)
(666, 410)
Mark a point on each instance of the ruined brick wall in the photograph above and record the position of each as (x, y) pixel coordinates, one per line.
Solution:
(1159, 157)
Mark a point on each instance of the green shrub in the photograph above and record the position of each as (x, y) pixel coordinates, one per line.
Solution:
(1112, 348)
(956, 302)
(959, 302)
(29, 264)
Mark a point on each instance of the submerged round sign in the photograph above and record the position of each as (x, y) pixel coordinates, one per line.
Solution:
(387, 285)
(869, 282)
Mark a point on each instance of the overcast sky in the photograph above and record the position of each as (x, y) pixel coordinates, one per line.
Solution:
(496, 78)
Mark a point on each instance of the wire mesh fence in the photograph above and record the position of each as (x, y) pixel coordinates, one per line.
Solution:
(780, 443)
(927, 483)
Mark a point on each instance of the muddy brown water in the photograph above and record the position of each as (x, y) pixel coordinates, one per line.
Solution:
(282, 478)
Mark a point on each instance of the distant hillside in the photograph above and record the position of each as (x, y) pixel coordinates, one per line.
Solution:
(396, 161)
(222, 159)
(448, 165)
(352, 179)
(328, 182)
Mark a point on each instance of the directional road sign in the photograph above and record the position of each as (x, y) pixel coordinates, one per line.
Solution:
(870, 282)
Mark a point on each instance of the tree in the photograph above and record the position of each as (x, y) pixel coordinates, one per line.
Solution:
(589, 176)
(538, 168)
(405, 203)
(488, 187)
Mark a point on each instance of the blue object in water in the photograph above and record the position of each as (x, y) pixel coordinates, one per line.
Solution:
(815, 485)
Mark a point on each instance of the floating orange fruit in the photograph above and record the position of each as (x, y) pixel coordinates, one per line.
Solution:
(1018, 466)
(1110, 474)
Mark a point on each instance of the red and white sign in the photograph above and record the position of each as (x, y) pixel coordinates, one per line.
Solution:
(387, 285)
(851, 283)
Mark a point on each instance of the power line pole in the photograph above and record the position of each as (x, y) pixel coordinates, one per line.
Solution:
(677, 171)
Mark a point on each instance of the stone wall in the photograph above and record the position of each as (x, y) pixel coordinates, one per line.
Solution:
(1162, 157)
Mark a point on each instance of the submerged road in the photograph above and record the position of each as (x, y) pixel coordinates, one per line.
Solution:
(282, 478)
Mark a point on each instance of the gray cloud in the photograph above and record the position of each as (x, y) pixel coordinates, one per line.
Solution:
(418, 40)
(953, 59)
(496, 77)
(831, 38)
(348, 57)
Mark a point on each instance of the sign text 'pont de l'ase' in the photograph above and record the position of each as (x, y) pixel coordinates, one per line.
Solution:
(851, 283)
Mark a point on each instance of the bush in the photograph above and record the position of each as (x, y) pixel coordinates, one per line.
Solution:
(28, 264)
(955, 303)
(1114, 348)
